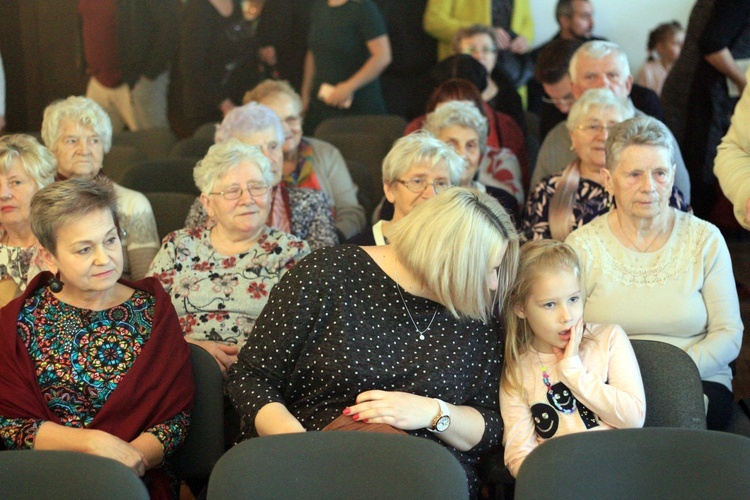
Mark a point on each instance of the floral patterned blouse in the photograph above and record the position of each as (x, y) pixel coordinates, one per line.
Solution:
(80, 357)
(591, 201)
(219, 297)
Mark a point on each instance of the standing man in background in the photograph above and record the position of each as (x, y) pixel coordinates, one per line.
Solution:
(128, 46)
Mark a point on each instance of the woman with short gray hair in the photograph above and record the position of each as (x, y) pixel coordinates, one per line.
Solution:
(219, 277)
(79, 133)
(563, 202)
(660, 273)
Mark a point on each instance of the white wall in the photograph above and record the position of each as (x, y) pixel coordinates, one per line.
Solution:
(625, 22)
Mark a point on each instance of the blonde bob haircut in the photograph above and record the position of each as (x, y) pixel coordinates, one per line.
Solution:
(36, 160)
(538, 258)
(421, 148)
(450, 243)
(561, 204)
(458, 113)
(223, 157)
(77, 109)
(271, 88)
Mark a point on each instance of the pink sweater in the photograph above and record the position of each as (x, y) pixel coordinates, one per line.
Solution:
(604, 379)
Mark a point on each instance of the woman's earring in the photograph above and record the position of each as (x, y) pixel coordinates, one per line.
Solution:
(55, 285)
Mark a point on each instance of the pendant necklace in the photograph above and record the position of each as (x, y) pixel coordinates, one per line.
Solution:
(398, 287)
(551, 393)
(622, 229)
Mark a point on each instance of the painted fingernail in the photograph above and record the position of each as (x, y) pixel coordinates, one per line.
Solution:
(355, 416)
(364, 420)
(347, 411)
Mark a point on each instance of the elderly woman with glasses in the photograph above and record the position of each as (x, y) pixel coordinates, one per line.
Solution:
(25, 167)
(417, 168)
(219, 278)
(563, 202)
(301, 211)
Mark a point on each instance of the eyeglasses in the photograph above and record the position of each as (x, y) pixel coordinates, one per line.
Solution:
(595, 128)
(566, 100)
(479, 50)
(235, 193)
(418, 185)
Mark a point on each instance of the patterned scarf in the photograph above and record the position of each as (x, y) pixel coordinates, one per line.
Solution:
(303, 175)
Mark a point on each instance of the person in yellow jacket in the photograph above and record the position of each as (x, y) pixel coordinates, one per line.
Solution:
(511, 19)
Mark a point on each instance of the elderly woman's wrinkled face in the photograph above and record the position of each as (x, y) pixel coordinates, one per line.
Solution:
(642, 181)
(88, 254)
(590, 134)
(404, 198)
(269, 144)
(481, 48)
(291, 118)
(245, 215)
(16, 189)
(79, 150)
(465, 141)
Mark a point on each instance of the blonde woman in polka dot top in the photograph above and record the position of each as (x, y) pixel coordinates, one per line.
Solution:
(403, 334)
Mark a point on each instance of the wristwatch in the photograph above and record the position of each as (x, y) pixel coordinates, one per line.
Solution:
(442, 420)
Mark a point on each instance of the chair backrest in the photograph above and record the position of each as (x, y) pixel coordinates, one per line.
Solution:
(638, 463)
(338, 464)
(391, 126)
(367, 191)
(170, 210)
(32, 474)
(171, 175)
(120, 159)
(204, 443)
(365, 148)
(206, 131)
(674, 391)
(191, 147)
(155, 143)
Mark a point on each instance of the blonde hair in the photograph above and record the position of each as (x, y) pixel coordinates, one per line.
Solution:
(36, 160)
(450, 242)
(272, 88)
(537, 258)
(561, 203)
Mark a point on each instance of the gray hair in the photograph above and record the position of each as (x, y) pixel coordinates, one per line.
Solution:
(461, 113)
(421, 148)
(223, 157)
(598, 99)
(247, 119)
(36, 160)
(599, 49)
(638, 131)
(57, 205)
(77, 109)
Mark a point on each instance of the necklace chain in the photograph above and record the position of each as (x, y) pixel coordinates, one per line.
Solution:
(420, 332)
(551, 393)
(624, 233)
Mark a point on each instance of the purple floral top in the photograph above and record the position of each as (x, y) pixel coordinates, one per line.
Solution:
(219, 297)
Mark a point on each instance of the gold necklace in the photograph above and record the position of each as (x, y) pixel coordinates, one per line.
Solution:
(619, 223)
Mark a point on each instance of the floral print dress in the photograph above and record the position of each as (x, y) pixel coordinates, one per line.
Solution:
(219, 297)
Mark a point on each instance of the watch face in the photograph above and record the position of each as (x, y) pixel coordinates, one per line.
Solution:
(443, 423)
